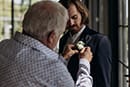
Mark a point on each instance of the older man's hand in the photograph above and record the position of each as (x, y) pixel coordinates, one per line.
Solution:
(86, 53)
(69, 51)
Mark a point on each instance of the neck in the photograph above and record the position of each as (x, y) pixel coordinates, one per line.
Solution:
(74, 32)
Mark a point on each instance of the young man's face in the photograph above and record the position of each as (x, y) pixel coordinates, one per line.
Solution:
(75, 18)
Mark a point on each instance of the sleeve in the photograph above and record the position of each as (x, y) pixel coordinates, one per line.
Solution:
(104, 63)
(84, 78)
(61, 58)
(63, 77)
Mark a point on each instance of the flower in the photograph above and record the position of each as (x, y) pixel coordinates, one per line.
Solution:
(80, 45)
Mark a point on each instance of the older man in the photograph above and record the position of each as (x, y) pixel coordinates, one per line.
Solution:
(28, 59)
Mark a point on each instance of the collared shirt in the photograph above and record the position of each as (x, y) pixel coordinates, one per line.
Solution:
(76, 36)
(73, 39)
(26, 62)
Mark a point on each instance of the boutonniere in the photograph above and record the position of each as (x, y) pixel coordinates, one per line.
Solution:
(80, 45)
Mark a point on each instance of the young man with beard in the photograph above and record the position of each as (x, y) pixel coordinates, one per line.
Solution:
(77, 30)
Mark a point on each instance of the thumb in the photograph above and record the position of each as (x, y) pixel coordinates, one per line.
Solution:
(82, 51)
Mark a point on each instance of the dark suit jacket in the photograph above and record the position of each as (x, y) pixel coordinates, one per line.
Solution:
(101, 63)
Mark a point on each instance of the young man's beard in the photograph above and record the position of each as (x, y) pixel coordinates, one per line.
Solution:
(73, 30)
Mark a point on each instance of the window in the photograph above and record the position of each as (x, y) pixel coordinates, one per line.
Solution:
(123, 43)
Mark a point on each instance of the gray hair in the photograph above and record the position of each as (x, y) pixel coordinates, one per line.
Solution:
(44, 17)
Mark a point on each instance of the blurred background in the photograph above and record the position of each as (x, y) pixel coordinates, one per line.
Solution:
(109, 17)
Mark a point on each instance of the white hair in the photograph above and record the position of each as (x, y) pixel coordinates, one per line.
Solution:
(44, 17)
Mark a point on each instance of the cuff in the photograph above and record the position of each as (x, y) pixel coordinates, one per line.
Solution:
(85, 64)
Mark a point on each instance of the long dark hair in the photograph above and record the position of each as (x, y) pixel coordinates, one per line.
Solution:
(80, 7)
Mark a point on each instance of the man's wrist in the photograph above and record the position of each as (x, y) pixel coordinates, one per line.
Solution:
(85, 63)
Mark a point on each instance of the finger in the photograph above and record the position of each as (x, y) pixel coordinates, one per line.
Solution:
(70, 45)
(91, 54)
(82, 51)
(75, 51)
(88, 48)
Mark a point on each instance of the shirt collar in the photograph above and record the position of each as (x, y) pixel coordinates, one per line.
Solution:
(76, 36)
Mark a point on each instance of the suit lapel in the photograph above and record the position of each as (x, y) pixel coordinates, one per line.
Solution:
(85, 36)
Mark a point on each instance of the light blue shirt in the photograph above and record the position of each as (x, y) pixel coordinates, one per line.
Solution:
(26, 62)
